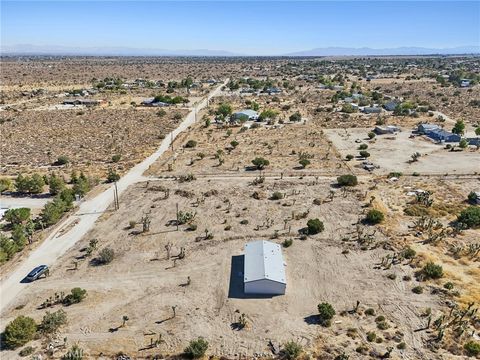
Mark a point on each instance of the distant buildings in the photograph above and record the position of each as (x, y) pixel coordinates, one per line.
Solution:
(390, 106)
(436, 133)
(84, 102)
(245, 115)
(153, 103)
(371, 110)
(389, 129)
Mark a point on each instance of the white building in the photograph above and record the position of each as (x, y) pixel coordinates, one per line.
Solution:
(264, 271)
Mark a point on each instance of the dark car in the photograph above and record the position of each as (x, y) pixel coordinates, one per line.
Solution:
(37, 272)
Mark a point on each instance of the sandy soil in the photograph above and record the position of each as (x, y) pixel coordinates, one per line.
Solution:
(393, 152)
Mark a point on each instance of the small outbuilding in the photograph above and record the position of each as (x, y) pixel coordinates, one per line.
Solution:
(264, 271)
(425, 128)
(247, 114)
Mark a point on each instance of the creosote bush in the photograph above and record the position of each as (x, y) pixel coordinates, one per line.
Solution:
(347, 180)
(51, 322)
(326, 312)
(196, 348)
(472, 348)
(106, 256)
(470, 217)
(191, 144)
(432, 271)
(292, 350)
(374, 217)
(314, 226)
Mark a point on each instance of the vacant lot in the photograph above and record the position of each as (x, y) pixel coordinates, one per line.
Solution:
(142, 284)
(393, 152)
(35, 139)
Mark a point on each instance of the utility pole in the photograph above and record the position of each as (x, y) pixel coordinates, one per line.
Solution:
(115, 197)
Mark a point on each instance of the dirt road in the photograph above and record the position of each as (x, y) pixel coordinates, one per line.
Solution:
(85, 217)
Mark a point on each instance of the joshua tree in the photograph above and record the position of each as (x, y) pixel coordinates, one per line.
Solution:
(168, 248)
(146, 223)
(124, 320)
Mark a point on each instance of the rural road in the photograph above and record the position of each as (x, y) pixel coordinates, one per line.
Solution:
(55, 245)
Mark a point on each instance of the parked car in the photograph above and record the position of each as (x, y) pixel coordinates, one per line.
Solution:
(37, 272)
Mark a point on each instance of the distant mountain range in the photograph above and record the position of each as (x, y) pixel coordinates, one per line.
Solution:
(26, 49)
(364, 51)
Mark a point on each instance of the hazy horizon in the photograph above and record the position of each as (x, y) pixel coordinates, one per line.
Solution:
(241, 28)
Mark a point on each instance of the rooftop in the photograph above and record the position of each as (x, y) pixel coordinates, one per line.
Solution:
(264, 260)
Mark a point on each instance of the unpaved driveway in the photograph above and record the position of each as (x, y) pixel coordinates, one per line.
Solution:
(86, 216)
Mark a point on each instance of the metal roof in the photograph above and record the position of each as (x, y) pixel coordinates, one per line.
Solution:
(246, 112)
(264, 261)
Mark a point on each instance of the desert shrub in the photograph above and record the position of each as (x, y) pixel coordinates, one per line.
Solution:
(374, 216)
(395, 174)
(75, 353)
(470, 217)
(401, 346)
(472, 198)
(382, 325)
(19, 331)
(380, 318)
(51, 322)
(260, 162)
(408, 253)
(347, 180)
(364, 154)
(5, 184)
(196, 348)
(228, 228)
(29, 350)
(244, 222)
(363, 147)
(432, 271)
(472, 348)
(295, 117)
(349, 157)
(191, 144)
(314, 226)
(292, 350)
(161, 113)
(304, 163)
(277, 195)
(116, 158)
(77, 295)
(287, 243)
(105, 256)
(234, 143)
(62, 160)
(370, 312)
(326, 312)
(417, 289)
(448, 285)
(371, 336)
(371, 135)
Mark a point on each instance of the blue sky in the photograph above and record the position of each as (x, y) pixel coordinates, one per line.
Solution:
(249, 27)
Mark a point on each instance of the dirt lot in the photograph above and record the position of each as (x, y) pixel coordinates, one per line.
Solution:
(142, 284)
(89, 138)
(392, 153)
